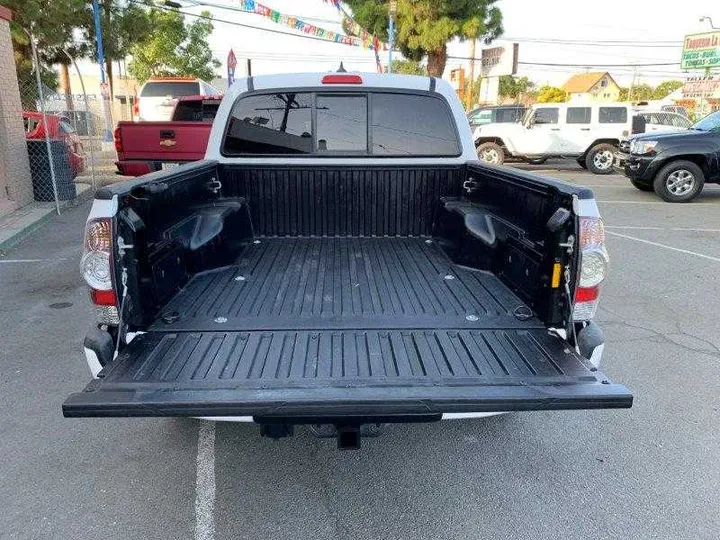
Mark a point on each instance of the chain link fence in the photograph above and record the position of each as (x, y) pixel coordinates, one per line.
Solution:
(69, 151)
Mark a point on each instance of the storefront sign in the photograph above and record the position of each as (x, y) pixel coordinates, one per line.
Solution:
(701, 51)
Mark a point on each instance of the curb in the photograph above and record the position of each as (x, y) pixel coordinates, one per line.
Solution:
(41, 220)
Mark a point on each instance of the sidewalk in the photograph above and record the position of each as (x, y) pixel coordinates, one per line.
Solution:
(22, 222)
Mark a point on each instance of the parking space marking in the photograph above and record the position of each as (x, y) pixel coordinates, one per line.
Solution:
(676, 229)
(205, 482)
(20, 261)
(693, 205)
(664, 246)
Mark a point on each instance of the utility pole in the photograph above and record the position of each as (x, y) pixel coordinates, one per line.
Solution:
(468, 97)
(249, 67)
(632, 85)
(391, 32)
(104, 90)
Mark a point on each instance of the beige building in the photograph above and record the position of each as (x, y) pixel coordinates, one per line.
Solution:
(594, 86)
(15, 183)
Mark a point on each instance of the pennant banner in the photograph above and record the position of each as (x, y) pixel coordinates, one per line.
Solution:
(357, 36)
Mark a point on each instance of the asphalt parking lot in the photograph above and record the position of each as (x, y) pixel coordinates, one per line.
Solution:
(649, 472)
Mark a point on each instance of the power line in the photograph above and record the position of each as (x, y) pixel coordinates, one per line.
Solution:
(234, 23)
(549, 64)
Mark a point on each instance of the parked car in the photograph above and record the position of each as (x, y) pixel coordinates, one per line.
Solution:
(588, 132)
(663, 121)
(144, 147)
(499, 114)
(675, 166)
(158, 96)
(296, 276)
(654, 122)
(58, 129)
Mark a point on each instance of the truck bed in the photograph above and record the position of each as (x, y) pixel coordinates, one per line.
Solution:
(333, 326)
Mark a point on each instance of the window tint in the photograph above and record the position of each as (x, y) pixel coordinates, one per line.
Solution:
(412, 125)
(196, 111)
(546, 115)
(270, 124)
(578, 115)
(613, 115)
(341, 123)
(508, 115)
(170, 88)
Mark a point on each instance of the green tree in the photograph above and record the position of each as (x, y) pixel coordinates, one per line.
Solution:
(424, 27)
(665, 88)
(408, 67)
(52, 23)
(640, 92)
(551, 94)
(174, 48)
(514, 87)
(124, 24)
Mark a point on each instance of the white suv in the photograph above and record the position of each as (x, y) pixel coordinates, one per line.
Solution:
(157, 98)
(589, 132)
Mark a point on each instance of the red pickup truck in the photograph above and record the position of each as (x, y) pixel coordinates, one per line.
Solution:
(144, 147)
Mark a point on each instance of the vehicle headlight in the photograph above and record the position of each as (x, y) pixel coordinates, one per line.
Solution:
(642, 147)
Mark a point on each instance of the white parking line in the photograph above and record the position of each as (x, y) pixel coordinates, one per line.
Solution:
(656, 244)
(205, 483)
(20, 261)
(676, 206)
(637, 228)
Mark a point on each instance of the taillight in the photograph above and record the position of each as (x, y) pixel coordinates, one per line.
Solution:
(96, 269)
(342, 79)
(118, 140)
(136, 107)
(593, 268)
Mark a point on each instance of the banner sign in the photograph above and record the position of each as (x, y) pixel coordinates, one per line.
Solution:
(701, 87)
(365, 41)
(701, 51)
(498, 61)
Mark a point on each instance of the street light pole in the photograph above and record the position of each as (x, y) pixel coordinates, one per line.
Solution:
(391, 32)
(107, 135)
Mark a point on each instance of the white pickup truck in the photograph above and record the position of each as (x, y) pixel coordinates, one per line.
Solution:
(341, 258)
(590, 133)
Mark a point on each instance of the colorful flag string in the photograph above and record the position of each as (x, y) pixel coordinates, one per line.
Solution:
(358, 37)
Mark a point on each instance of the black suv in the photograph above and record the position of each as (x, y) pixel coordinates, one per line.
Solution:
(674, 165)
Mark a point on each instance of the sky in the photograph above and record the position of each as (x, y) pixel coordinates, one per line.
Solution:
(526, 22)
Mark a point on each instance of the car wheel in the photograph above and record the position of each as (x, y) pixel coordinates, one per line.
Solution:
(641, 186)
(679, 181)
(490, 152)
(537, 161)
(599, 159)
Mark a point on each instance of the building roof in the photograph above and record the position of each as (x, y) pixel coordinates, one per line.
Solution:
(584, 81)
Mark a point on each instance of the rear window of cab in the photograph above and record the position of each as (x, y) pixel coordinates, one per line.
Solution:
(365, 124)
(170, 88)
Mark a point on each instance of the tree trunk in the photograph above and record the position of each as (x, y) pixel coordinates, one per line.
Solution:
(65, 86)
(109, 73)
(436, 62)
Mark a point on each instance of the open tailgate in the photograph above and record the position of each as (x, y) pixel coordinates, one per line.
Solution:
(335, 373)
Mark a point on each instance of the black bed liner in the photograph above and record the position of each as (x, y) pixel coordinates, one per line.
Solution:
(333, 327)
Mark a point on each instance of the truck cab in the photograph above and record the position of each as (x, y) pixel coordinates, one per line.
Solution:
(341, 258)
(588, 132)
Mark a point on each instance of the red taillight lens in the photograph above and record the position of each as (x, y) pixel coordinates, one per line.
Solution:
(136, 106)
(342, 79)
(587, 294)
(103, 298)
(118, 140)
